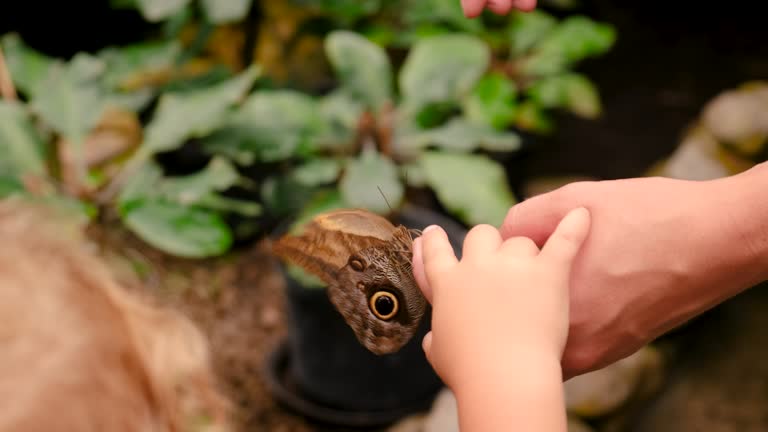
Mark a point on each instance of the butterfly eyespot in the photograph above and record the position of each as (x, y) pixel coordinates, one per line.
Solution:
(357, 264)
(384, 305)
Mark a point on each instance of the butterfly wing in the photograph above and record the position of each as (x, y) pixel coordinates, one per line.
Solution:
(324, 244)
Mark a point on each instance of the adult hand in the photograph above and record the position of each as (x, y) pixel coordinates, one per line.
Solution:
(660, 251)
(473, 8)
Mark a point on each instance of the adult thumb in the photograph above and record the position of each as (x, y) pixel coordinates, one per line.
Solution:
(535, 218)
(566, 241)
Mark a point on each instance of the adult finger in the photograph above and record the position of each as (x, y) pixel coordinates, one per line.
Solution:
(418, 270)
(568, 237)
(499, 7)
(481, 240)
(535, 218)
(525, 5)
(437, 253)
(472, 8)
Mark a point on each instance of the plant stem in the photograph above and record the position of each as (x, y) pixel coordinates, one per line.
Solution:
(7, 90)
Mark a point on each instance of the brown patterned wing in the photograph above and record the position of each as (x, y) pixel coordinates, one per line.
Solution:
(325, 243)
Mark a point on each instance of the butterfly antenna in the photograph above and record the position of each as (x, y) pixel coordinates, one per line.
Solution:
(385, 198)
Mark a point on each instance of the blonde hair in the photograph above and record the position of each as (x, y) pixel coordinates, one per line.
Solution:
(78, 353)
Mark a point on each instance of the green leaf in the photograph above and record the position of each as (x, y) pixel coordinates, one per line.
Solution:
(198, 189)
(182, 231)
(472, 187)
(443, 68)
(270, 126)
(531, 117)
(526, 29)
(142, 185)
(71, 100)
(575, 39)
(369, 177)
(492, 101)
(21, 146)
(225, 11)
(225, 204)
(218, 175)
(123, 63)
(571, 91)
(363, 67)
(439, 12)
(158, 10)
(317, 172)
(27, 67)
(340, 116)
(195, 113)
(460, 135)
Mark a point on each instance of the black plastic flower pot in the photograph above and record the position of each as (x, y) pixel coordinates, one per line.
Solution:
(333, 378)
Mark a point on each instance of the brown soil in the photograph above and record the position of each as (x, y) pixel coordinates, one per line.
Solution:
(236, 300)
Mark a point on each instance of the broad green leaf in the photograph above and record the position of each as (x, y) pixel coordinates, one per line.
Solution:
(460, 135)
(472, 187)
(532, 117)
(492, 101)
(198, 189)
(225, 11)
(573, 40)
(27, 67)
(370, 181)
(194, 114)
(317, 172)
(142, 185)
(526, 29)
(21, 146)
(443, 68)
(218, 175)
(413, 174)
(363, 67)
(570, 91)
(158, 10)
(270, 126)
(284, 196)
(439, 12)
(340, 116)
(182, 231)
(124, 63)
(221, 203)
(71, 100)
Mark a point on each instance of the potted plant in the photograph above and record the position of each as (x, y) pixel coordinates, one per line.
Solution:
(367, 147)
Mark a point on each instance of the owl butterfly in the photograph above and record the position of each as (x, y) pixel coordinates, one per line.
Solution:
(366, 262)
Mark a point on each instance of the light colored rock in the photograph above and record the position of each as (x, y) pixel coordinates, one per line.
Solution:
(444, 416)
(414, 423)
(603, 391)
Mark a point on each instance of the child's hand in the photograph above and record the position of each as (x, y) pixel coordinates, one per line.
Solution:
(473, 8)
(505, 302)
